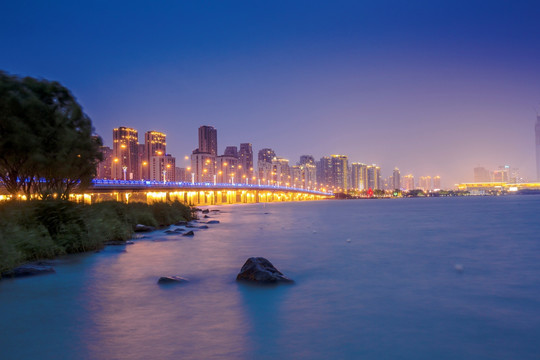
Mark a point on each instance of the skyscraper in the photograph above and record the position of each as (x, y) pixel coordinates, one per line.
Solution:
(537, 128)
(231, 151)
(437, 183)
(208, 140)
(245, 158)
(154, 145)
(374, 177)
(125, 165)
(481, 174)
(324, 172)
(307, 159)
(358, 176)
(396, 181)
(266, 155)
(340, 167)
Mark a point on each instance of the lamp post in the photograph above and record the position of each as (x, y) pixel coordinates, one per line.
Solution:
(193, 178)
(125, 170)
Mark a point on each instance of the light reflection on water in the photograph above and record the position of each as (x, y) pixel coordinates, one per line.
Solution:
(390, 293)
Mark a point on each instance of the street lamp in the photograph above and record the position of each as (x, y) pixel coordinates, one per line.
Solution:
(125, 170)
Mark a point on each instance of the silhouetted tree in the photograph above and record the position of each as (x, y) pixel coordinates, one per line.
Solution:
(46, 142)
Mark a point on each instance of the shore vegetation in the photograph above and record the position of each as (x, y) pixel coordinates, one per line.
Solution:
(44, 229)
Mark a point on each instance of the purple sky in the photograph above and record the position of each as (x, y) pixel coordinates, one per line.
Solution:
(434, 88)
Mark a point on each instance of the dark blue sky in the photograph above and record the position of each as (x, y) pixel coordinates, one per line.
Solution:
(432, 87)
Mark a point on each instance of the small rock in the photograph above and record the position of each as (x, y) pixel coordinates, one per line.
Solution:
(171, 280)
(348, 240)
(191, 226)
(203, 227)
(177, 230)
(29, 270)
(259, 269)
(143, 228)
(206, 211)
(129, 242)
(206, 216)
(215, 210)
(213, 222)
(170, 232)
(189, 233)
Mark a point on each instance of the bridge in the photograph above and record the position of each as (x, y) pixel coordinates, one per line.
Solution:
(193, 193)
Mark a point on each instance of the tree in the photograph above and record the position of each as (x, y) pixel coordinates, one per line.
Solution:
(46, 142)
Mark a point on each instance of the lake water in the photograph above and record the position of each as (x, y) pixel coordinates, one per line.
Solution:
(394, 291)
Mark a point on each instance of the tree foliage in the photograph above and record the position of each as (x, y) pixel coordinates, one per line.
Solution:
(46, 142)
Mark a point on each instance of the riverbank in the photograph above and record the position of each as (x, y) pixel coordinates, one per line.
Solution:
(34, 230)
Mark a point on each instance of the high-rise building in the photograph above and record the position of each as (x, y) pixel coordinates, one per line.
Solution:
(125, 164)
(203, 166)
(306, 159)
(437, 183)
(281, 174)
(340, 167)
(231, 151)
(537, 130)
(324, 172)
(424, 183)
(481, 174)
(208, 140)
(162, 168)
(266, 155)
(408, 182)
(104, 170)
(155, 144)
(227, 169)
(396, 181)
(502, 174)
(180, 174)
(264, 164)
(358, 176)
(374, 177)
(245, 157)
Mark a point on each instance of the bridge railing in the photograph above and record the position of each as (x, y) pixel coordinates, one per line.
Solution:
(101, 184)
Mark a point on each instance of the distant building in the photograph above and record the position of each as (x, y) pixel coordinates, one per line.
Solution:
(408, 182)
(162, 168)
(203, 166)
(180, 174)
(266, 155)
(104, 170)
(306, 159)
(155, 144)
(340, 167)
(358, 176)
(304, 176)
(281, 174)
(125, 163)
(208, 140)
(396, 179)
(502, 174)
(231, 151)
(537, 130)
(374, 177)
(481, 174)
(324, 172)
(437, 183)
(424, 183)
(227, 169)
(245, 160)
(264, 164)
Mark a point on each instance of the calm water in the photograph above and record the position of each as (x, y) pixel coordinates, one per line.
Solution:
(392, 292)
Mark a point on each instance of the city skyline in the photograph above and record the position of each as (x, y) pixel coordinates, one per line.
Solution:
(430, 88)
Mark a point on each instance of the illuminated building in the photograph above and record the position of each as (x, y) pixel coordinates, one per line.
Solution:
(408, 182)
(203, 166)
(208, 140)
(537, 130)
(281, 174)
(396, 180)
(163, 168)
(245, 157)
(264, 163)
(104, 170)
(324, 172)
(154, 145)
(374, 177)
(481, 174)
(304, 176)
(358, 176)
(502, 174)
(437, 183)
(424, 183)
(125, 163)
(306, 159)
(227, 169)
(340, 167)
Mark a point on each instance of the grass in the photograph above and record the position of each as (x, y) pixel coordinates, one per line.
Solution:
(32, 230)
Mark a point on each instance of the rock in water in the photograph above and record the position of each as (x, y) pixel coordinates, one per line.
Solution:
(203, 227)
(30, 270)
(189, 233)
(143, 228)
(213, 222)
(171, 280)
(261, 270)
(205, 211)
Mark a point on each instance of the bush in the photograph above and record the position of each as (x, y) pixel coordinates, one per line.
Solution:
(34, 230)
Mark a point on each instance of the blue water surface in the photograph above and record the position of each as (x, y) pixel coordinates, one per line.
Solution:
(435, 278)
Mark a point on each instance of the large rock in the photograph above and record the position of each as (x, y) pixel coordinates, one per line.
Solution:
(171, 280)
(30, 270)
(189, 233)
(259, 269)
(143, 228)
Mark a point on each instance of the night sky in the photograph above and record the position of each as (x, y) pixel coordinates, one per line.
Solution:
(432, 87)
